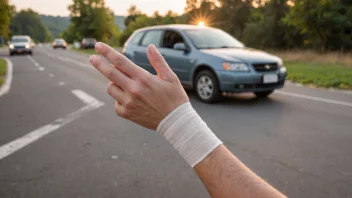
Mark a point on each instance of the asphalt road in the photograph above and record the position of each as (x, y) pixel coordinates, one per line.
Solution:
(299, 140)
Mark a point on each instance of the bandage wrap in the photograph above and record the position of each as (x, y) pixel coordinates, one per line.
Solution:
(188, 134)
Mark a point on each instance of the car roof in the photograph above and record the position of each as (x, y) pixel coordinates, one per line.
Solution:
(20, 36)
(175, 27)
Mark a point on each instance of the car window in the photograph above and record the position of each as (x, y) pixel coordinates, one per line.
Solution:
(171, 38)
(152, 37)
(136, 38)
(19, 40)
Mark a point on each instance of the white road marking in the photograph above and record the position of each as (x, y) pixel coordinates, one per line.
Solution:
(19, 143)
(52, 75)
(61, 83)
(65, 59)
(318, 99)
(5, 88)
(41, 68)
(36, 64)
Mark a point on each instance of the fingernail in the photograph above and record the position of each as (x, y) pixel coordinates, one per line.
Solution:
(98, 46)
(152, 49)
(94, 59)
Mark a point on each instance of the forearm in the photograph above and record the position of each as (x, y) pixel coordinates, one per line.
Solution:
(226, 176)
(220, 171)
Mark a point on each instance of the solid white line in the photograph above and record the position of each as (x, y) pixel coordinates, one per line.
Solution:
(5, 88)
(296, 95)
(35, 135)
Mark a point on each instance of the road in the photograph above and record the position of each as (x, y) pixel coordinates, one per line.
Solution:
(299, 140)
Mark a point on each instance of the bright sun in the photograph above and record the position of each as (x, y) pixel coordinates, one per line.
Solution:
(201, 23)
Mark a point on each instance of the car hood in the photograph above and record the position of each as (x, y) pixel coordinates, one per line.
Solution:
(247, 55)
(20, 44)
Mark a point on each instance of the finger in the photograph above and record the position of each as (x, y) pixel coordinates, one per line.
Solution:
(110, 72)
(159, 64)
(118, 60)
(120, 111)
(116, 92)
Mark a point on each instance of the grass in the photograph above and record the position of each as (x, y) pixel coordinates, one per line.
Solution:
(3, 67)
(328, 70)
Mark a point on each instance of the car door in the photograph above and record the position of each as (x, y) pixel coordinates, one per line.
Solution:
(140, 52)
(179, 60)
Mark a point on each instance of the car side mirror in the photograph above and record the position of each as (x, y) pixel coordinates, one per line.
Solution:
(180, 46)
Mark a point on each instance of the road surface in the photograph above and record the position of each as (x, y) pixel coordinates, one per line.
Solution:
(60, 137)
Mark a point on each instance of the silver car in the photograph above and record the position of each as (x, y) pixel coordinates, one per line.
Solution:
(21, 45)
(208, 60)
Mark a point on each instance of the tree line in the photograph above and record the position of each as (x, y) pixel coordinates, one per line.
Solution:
(323, 25)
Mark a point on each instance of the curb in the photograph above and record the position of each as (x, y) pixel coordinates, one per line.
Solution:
(5, 88)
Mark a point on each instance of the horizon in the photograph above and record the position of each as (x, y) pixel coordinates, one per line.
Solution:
(119, 7)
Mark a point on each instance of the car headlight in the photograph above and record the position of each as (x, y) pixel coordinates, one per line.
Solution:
(11, 46)
(27, 46)
(283, 70)
(235, 67)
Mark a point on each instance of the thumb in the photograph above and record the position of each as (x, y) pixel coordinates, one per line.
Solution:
(160, 65)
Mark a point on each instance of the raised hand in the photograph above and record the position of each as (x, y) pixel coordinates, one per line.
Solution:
(140, 96)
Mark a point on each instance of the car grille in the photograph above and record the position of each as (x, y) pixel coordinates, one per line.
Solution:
(19, 47)
(260, 85)
(265, 67)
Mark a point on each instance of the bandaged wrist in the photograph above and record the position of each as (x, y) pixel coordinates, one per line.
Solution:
(188, 134)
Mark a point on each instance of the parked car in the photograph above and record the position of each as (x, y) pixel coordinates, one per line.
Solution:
(88, 43)
(59, 43)
(208, 60)
(20, 45)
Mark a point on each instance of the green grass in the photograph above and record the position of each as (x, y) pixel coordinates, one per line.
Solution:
(3, 67)
(320, 74)
(86, 51)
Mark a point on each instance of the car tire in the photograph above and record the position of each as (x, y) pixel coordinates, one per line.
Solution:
(30, 53)
(11, 54)
(263, 94)
(207, 87)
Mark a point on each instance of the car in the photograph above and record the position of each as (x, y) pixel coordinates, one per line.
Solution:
(59, 43)
(88, 43)
(20, 45)
(208, 60)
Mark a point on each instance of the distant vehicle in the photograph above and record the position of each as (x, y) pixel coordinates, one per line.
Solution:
(208, 60)
(59, 43)
(21, 45)
(88, 43)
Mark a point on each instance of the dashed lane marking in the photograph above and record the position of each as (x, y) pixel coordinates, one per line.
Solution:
(19, 143)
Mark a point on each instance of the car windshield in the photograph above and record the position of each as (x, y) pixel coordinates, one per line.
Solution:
(212, 38)
(19, 40)
(59, 41)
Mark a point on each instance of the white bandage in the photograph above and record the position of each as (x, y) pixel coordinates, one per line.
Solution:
(188, 134)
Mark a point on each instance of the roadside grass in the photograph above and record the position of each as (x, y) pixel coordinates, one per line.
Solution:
(3, 68)
(327, 70)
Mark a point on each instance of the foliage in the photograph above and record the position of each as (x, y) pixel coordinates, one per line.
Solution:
(326, 24)
(55, 24)
(27, 22)
(6, 11)
(3, 68)
(91, 18)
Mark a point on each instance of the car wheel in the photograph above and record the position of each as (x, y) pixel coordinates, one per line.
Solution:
(11, 54)
(207, 86)
(30, 53)
(263, 94)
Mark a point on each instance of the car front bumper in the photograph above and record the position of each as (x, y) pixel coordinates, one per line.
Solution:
(238, 82)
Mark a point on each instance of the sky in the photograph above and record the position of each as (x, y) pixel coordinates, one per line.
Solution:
(59, 7)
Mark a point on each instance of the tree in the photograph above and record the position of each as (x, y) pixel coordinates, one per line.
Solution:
(27, 22)
(6, 11)
(92, 19)
(325, 24)
(133, 13)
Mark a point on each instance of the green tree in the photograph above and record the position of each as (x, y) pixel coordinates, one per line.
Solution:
(91, 18)
(266, 28)
(27, 22)
(6, 11)
(325, 24)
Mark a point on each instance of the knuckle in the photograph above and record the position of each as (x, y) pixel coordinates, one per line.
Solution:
(110, 74)
(135, 91)
(145, 80)
(119, 60)
(130, 105)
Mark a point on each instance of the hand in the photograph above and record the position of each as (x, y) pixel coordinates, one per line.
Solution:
(140, 96)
